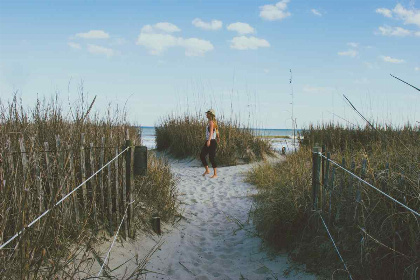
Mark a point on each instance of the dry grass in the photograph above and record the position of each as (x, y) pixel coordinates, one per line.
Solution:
(44, 250)
(377, 238)
(185, 136)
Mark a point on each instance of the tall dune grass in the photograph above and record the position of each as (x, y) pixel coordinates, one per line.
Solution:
(184, 136)
(47, 249)
(377, 238)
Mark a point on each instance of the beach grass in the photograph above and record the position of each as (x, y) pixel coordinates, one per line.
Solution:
(184, 136)
(377, 238)
(48, 249)
(274, 136)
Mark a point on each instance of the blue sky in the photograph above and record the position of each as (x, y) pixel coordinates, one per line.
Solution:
(160, 57)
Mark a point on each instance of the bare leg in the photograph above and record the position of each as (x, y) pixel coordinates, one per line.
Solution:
(215, 173)
(207, 170)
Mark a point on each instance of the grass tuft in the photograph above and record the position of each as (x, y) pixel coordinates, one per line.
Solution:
(184, 136)
(377, 238)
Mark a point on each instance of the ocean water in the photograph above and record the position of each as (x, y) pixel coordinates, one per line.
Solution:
(149, 136)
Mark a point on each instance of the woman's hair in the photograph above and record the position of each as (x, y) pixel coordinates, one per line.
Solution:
(213, 119)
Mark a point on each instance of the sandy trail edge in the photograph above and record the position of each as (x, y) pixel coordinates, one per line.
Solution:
(216, 238)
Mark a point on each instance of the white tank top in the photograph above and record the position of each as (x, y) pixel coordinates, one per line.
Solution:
(208, 133)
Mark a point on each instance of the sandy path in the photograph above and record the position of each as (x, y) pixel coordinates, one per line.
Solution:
(216, 240)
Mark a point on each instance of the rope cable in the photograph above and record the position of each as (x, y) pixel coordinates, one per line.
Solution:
(370, 185)
(61, 200)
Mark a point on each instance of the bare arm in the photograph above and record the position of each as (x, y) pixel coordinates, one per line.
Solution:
(211, 127)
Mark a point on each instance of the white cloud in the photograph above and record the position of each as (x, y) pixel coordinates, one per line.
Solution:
(213, 25)
(353, 44)
(316, 12)
(408, 16)
(164, 27)
(195, 47)
(167, 27)
(417, 68)
(248, 43)
(351, 53)
(275, 12)
(266, 71)
(74, 45)
(100, 50)
(394, 31)
(93, 34)
(155, 39)
(384, 12)
(241, 27)
(156, 43)
(392, 60)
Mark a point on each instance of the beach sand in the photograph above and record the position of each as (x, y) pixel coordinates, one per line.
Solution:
(214, 239)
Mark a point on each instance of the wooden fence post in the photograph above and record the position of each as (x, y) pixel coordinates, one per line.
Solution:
(326, 180)
(109, 192)
(38, 180)
(51, 185)
(128, 181)
(83, 171)
(140, 161)
(324, 149)
(117, 185)
(322, 190)
(73, 183)
(101, 178)
(316, 166)
(60, 174)
(24, 210)
(93, 182)
(124, 198)
(331, 190)
(340, 189)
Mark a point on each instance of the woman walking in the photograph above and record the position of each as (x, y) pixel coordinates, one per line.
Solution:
(210, 145)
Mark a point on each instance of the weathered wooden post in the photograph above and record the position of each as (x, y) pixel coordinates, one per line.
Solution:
(322, 185)
(156, 225)
(340, 189)
(117, 186)
(331, 190)
(327, 185)
(92, 183)
(51, 185)
(129, 179)
(324, 149)
(316, 166)
(140, 160)
(38, 180)
(83, 171)
(73, 182)
(101, 178)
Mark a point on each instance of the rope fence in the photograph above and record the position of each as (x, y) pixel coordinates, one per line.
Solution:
(57, 151)
(333, 193)
(61, 200)
(370, 185)
(115, 238)
(335, 246)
